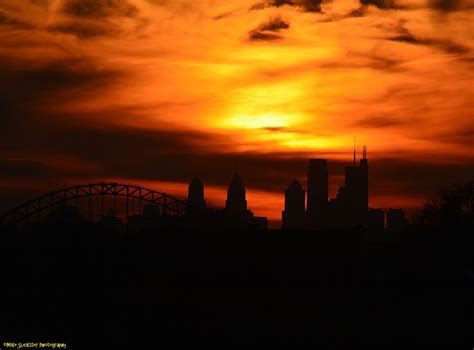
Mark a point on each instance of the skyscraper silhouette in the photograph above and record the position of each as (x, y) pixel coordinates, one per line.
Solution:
(236, 203)
(356, 191)
(350, 207)
(196, 201)
(293, 217)
(235, 215)
(317, 186)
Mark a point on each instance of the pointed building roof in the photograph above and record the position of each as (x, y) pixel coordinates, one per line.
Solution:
(295, 186)
(196, 183)
(236, 181)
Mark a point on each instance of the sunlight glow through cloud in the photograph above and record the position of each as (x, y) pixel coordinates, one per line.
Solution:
(228, 78)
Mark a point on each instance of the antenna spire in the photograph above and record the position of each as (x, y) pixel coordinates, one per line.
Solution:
(354, 151)
(365, 152)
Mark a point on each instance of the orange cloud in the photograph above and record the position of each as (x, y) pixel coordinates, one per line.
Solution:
(80, 79)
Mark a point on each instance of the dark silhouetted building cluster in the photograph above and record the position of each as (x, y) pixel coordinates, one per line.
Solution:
(235, 214)
(348, 209)
(310, 209)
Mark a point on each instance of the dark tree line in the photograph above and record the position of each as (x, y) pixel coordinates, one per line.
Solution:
(453, 206)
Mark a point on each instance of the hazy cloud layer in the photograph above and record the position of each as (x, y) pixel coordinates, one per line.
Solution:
(451, 5)
(99, 9)
(164, 90)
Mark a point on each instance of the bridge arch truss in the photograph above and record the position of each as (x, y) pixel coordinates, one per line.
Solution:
(168, 204)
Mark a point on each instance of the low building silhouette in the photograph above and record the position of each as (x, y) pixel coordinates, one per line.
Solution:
(396, 220)
(376, 219)
(152, 217)
(64, 214)
(111, 221)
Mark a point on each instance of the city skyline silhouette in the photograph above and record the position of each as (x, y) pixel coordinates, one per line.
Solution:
(271, 173)
(303, 210)
(96, 91)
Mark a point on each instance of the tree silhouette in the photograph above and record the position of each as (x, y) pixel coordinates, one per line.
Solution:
(453, 206)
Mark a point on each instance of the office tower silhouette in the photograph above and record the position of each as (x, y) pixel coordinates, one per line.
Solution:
(317, 187)
(235, 215)
(350, 207)
(356, 191)
(293, 217)
(196, 204)
(236, 203)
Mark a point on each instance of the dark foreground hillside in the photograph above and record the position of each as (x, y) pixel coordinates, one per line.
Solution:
(92, 288)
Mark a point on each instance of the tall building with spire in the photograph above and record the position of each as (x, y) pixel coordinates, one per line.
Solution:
(348, 209)
(235, 215)
(236, 203)
(196, 204)
(356, 191)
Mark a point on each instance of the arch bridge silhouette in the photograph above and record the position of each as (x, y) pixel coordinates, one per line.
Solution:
(168, 204)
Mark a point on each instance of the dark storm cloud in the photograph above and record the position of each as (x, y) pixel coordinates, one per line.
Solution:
(451, 5)
(85, 29)
(42, 3)
(223, 15)
(382, 122)
(99, 9)
(137, 153)
(416, 178)
(383, 4)
(274, 24)
(56, 75)
(462, 136)
(363, 9)
(368, 60)
(19, 80)
(23, 168)
(14, 22)
(258, 35)
(438, 5)
(391, 5)
(448, 46)
(305, 5)
(358, 12)
(266, 30)
(405, 38)
(382, 63)
(25, 88)
(275, 128)
(94, 18)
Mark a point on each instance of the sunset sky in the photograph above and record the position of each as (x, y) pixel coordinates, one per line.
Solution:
(156, 91)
